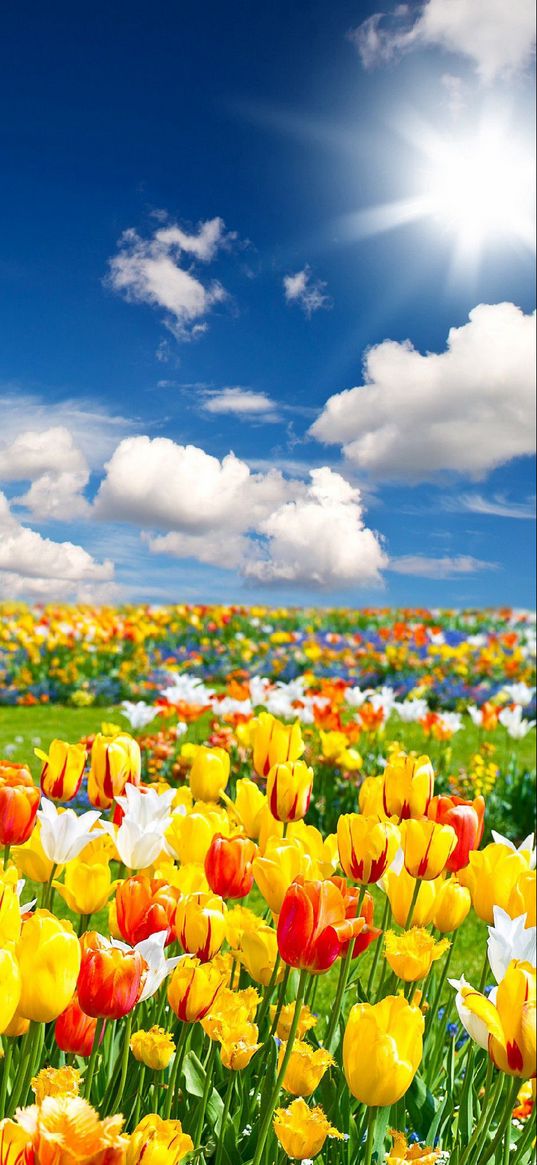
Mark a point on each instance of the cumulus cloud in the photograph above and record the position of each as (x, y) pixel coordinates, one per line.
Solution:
(240, 402)
(152, 271)
(270, 528)
(306, 291)
(422, 566)
(498, 38)
(467, 409)
(56, 467)
(39, 435)
(320, 539)
(58, 568)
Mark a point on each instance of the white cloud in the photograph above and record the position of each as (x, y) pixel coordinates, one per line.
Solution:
(497, 37)
(57, 496)
(309, 293)
(90, 434)
(422, 566)
(34, 452)
(151, 271)
(320, 539)
(57, 568)
(467, 409)
(498, 506)
(223, 548)
(240, 402)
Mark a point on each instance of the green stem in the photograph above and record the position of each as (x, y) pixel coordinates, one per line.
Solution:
(6, 1069)
(7, 851)
(268, 992)
(504, 1122)
(139, 1094)
(431, 1016)
(225, 1114)
(378, 946)
(93, 1058)
(342, 982)
(267, 1119)
(371, 1122)
(414, 899)
(490, 1101)
(124, 1061)
(24, 1069)
(48, 891)
(209, 1071)
(176, 1068)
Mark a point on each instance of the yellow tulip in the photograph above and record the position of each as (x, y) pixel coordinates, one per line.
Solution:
(154, 1048)
(510, 1021)
(371, 798)
(426, 847)
(56, 1082)
(249, 801)
(31, 860)
(238, 1045)
(158, 1142)
(190, 835)
(367, 846)
(289, 789)
(274, 743)
(452, 905)
(306, 1021)
(10, 988)
(87, 886)
(193, 988)
(200, 924)
(408, 786)
(269, 828)
(15, 1142)
(523, 899)
(257, 952)
(17, 1026)
(491, 876)
(48, 953)
(382, 1049)
(400, 891)
(239, 919)
(305, 1069)
(283, 859)
(209, 773)
(412, 954)
(302, 1131)
(114, 761)
(10, 912)
(231, 1009)
(62, 771)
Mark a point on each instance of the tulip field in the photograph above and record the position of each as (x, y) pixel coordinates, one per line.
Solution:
(268, 886)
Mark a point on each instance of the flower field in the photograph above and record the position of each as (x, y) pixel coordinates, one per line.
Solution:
(268, 886)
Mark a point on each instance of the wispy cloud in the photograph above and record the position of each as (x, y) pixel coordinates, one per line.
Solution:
(498, 506)
(305, 290)
(422, 566)
(240, 402)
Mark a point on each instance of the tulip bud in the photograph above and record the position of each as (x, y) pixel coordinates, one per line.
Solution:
(19, 802)
(209, 773)
(228, 866)
(86, 887)
(63, 769)
(249, 801)
(452, 904)
(392, 1033)
(10, 911)
(289, 789)
(258, 950)
(48, 954)
(154, 1048)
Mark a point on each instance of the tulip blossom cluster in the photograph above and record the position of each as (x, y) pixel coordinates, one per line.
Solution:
(162, 980)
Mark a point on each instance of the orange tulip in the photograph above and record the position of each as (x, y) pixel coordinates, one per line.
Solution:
(467, 819)
(313, 927)
(74, 1031)
(229, 866)
(144, 906)
(110, 980)
(19, 802)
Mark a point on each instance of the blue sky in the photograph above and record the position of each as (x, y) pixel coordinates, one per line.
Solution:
(194, 268)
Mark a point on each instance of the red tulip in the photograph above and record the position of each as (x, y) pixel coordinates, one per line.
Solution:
(74, 1031)
(110, 981)
(228, 866)
(370, 933)
(19, 802)
(313, 926)
(467, 819)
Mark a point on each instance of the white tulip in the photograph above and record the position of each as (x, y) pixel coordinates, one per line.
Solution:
(158, 966)
(63, 834)
(138, 714)
(510, 939)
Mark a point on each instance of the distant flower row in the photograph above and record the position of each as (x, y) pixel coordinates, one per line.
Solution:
(87, 655)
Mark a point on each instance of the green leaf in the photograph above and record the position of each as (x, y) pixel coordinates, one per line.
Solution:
(195, 1076)
(421, 1105)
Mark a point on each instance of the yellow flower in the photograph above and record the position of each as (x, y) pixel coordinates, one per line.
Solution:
(402, 1152)
(452, 905)
(400, 890)
(305, 1069)
(249, 801)
(158, 1142)
(62, 770)
(306, 1021)
(332, 744)
(154, 1048)
(200, 924)
(239, 919)
(209, 773)
(412, 954)
(371, 798)
(274, 743)
(510, 1020)
(289, 789)
(426, 847)
(30, 858)
(17, 1026)
(87, 886)
(257, 952)
(367, 846)
(408, 785)
(10, 913)
(190, 835)
(114, 761)
(283, 859)
(193, 988)
(10, 987)
(522, 899)
(238, 1045)
(56, 1082)
(302, 1131)
(491, 876)
(48, 953)
(71, 1122)
(382, 1049)
(322, 852)
(15, 1144)
(230, 1008)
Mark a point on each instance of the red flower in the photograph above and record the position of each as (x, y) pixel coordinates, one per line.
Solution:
(313, 926)
(466, 818)
(19, 802)
(228, 866)
(74, 1031)
(110, 980)
(351, 896)
(144, 906)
